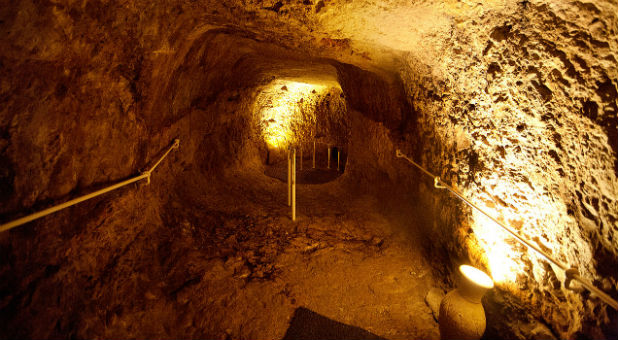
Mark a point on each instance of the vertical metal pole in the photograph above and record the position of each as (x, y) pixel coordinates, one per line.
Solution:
(329, 149)
(289, 177)
(314, 153)
(294, 185)
(338, 159)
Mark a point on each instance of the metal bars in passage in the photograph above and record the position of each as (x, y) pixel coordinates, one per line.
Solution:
(292, 180)
(291, 175)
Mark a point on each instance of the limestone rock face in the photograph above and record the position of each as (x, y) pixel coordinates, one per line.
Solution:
(513, 103)
(523, 120)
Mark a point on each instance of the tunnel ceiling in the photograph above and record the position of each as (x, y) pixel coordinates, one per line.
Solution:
(513, 102)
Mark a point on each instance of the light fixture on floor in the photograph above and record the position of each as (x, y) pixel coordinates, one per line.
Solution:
(462, 315)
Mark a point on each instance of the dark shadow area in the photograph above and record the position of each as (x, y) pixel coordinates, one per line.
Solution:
(307, 324)
(306, 176)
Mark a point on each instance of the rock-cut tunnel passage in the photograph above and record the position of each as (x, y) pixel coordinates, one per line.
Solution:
(308, 119)
(513, 104)
(208, 249)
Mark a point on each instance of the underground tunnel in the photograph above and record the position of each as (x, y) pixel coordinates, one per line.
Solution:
(315, 169)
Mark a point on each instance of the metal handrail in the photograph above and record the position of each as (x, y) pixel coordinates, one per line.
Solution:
(570, 272)
(144, 175)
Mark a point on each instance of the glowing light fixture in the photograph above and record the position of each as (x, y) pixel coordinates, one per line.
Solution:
(498, 243)
(462, 315)
(477, 276)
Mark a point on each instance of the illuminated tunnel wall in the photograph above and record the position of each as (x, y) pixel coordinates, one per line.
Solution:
(525, 124)
(291, 112)
(514, 103)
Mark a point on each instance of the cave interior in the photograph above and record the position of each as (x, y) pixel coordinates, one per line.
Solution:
(512, 103)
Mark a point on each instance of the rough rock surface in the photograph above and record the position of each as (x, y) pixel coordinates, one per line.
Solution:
(514, 103)
(522, 118)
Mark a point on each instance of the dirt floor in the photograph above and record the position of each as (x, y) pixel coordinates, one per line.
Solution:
(341, 259)
(222, 260)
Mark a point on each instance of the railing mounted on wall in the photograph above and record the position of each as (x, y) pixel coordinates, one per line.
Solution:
(144, 175)
(570, 272)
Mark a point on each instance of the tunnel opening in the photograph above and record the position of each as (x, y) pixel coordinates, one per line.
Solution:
(502, 103)
(310, 118)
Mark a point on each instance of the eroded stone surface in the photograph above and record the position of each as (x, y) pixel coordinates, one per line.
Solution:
(523, 124)
(515, 103)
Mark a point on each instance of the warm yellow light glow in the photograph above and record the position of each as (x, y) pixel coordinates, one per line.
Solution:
(526, 210)
(280, 110)
(500, 253)
(477, 276)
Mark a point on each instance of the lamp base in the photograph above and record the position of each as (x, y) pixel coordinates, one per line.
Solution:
(461, 317)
